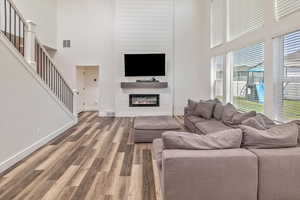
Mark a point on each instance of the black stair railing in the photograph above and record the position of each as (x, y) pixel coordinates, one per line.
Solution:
(12, 25)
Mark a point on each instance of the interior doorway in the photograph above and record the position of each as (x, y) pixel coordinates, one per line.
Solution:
(88, 88)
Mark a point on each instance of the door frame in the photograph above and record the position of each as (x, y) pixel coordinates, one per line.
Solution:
(79, 70)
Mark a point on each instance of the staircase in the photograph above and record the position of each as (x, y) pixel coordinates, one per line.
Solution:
(36, 102)
(21, 34)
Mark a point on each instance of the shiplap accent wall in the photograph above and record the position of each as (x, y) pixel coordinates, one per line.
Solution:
(144, 26)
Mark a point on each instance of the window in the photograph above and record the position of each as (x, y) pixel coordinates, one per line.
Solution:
(290, 77)
(218, 8)
(286, 7)
(244, 16)
(218, 73)
(247, 89)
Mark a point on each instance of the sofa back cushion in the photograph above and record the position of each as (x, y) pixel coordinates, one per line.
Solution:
(218, 111)
(228, 139)
(204, 109)
(192, 104)
(280, 136)
(239, 117)
(228, 113)
(269, 123)
(256, 122)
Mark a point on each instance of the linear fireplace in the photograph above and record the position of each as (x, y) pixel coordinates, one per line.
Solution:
(144, 100)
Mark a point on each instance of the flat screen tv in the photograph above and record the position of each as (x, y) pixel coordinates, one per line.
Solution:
(145, 64)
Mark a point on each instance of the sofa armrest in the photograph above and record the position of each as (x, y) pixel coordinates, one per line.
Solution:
(209, 174)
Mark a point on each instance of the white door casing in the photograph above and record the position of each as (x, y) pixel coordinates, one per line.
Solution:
(90, 90)
(87, 84)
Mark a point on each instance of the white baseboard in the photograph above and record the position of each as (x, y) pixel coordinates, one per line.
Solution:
(27, 151)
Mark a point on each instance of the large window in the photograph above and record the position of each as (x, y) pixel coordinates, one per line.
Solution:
(218, 8)
(244, 16)
(290, 77)
(286, 7)
(218, 73)
(247, 84)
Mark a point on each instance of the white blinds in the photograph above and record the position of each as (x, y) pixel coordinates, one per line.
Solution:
(290, 77)
(286, 7)
(218, 8)
(244, 16)
(218, 73)
(247, 87)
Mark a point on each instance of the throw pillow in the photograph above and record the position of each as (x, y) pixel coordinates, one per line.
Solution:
(218, 112)
(192, 104)
(239, 117)
(297, 122)
(255, 122)
(281, 136)
(269, 123)
(204, 109)
(227, 139)
(229, 111)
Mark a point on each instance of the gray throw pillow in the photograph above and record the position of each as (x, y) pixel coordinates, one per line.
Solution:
(204, 109)
(192, 104)
(297, 122)
(228, 139)
(280, 136)
(256, 122)
(239, 117)
(228, 113)
(218, 112)
(268, 122)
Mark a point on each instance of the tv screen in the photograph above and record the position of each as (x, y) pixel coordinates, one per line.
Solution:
(144, 64)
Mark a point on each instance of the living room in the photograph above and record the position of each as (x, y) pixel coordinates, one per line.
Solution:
(190, 99)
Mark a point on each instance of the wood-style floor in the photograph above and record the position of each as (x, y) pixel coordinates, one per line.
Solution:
(96, 159)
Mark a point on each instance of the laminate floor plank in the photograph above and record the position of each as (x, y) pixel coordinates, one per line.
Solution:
(94, 160)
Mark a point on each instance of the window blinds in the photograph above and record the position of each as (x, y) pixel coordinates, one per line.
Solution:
(290, 77)
(218, 73)
(244, 16)
(286, 7)
(248, 78)
(218, 8)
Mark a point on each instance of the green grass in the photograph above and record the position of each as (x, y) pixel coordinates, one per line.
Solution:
(291, 108)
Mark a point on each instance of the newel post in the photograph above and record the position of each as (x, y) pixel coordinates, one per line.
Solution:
(30, 43)
(75, 102)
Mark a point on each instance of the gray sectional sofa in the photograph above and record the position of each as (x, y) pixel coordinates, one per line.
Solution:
(197, 167)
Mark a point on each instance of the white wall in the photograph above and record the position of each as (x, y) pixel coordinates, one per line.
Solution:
(271, 29)
(102, 30)
(90, 27)
(44, 14)
(30, 115)
(144, 27)
(192, 65)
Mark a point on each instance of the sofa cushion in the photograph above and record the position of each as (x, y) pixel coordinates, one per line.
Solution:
(204, 109)
(227, 174)
(297, 122)
(210, 126)
(269, 123)
(239, 117)
(285, 135)
(228, 139)
(218, 111)
(157, 149)
(279, 176)
(156, 123)
(228, 113)
(256, 122)
(196, 119)
(192, 104)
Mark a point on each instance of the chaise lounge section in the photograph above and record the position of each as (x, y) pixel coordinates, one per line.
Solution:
(266, 166)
